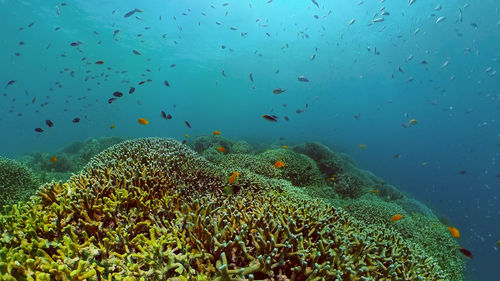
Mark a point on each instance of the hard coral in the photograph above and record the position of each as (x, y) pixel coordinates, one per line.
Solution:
(152, 209)
(17, 182)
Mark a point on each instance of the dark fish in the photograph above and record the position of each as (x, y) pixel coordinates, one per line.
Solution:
(136, 52)
(315, 3)
(132, 12)
(251, 77)
(111, 100)
(463, 172)
(270, 118)
(99, 62)
(184, 141)
(118, 94)
(466, 252)
(286, 118)
(397, 155)
(302, 79)
(31, 24)
(142, 82)
(166, 83)
(115, 32)
(223, 73)
(187, 124)
(38, 130)
(163, 114)
(299, 111)
(357, 116)
(10, 83)
(132, 90)
(278, 91)
(173, 65)
(76, 120)
(74, 44)
(49, 123)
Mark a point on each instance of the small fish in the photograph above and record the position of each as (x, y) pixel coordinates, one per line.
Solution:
(285, 147)
(233, 28)
(74, 44)
(352, 21)
(299, 111)
(118, 94)
(270, 118)
(413, 122)
(362, 146)
(410, 2)
(112, 126)
(187, 124)
(397, 155)
(164, 115)
(233, 177)
(115, 32)
(315, 3)
(374, 191)
(465, 252)
(99, 62)
(454, 232)
(378, 20)
(132, 12)
(221, 149)
(143, 121)
(445, 64)
(251, 76)
(440, 19)
(111, 100)
(166, 83)
(76, 120)
(10, 83)
(53, 159)
(278, 91)
(279, 164)
(216, 133)
(313, 57)
(463, 172)
(49, 123)
(38, 130)
(223, 73)
(286, 118)
(302, 79)
(136, 52)
(396, 217)
(132, 90)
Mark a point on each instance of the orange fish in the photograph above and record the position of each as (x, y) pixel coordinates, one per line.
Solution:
(216, 133)
(285, 147)
(112, 127)
(374, 191)
(53, 159)
(396, 217)
(142, 121)
(221, 149)
(279, 164)
(232, 178)
(454, 231)
(99, 62)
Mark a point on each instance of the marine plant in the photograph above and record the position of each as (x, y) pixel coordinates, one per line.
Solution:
(17, 182)
(152, 209)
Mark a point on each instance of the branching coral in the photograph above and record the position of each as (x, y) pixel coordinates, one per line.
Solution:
(152, 209)
(17, 182)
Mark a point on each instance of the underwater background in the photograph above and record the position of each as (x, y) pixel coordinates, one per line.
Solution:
(409, 91)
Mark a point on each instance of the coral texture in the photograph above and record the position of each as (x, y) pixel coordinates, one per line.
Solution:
(17, 182)
(152, 209)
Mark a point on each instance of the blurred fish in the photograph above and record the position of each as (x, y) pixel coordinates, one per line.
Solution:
(413, 122)
(315, 3)
(278, 91)
(285, 147)
(465, 252)
(221, 149)
(112, 126)
(136, 52)
(279, 164)
(396, 217)
(49, 123)
(99, 62)
(397, 155)
(118, 94)
(53, 159)
(352, 21)
(132, 12)
(286, 118)
(187, 124)
(38, 130)
(172, 65)
(299, 111)
(271, 118)
(463, 172)
(132, 90)
(410, 2)
(216, 133)
(362, 146)
(313, 57)
(10, 83)
(302, 79)
(454, 232)
(166, 83)
(74, 44)
(232, 178)
(76, 120)
(223, 73)
(143, 121)
(378, 20)
(111, 100)
(251, 76)
(440, 19)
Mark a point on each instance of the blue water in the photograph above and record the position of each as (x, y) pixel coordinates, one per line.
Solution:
(455, 96)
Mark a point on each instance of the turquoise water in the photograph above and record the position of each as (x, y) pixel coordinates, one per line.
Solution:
(360, 69)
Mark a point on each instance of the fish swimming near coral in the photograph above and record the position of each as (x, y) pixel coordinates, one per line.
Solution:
(53, 159)
(396, 217)
(279, 164)
(465, 252)
(221, 149)
(216, 133)
(233, 177)
(454, 232)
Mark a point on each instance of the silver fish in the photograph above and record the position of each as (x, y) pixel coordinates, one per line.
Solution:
(352, 21)
(440, 19)
(313, 57)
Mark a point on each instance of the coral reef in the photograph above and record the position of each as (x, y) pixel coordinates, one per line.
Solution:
(17, 182)
(70, 159)
(152, 209)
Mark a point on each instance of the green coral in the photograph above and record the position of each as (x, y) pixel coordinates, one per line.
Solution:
(17, 182)
(152, 209)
